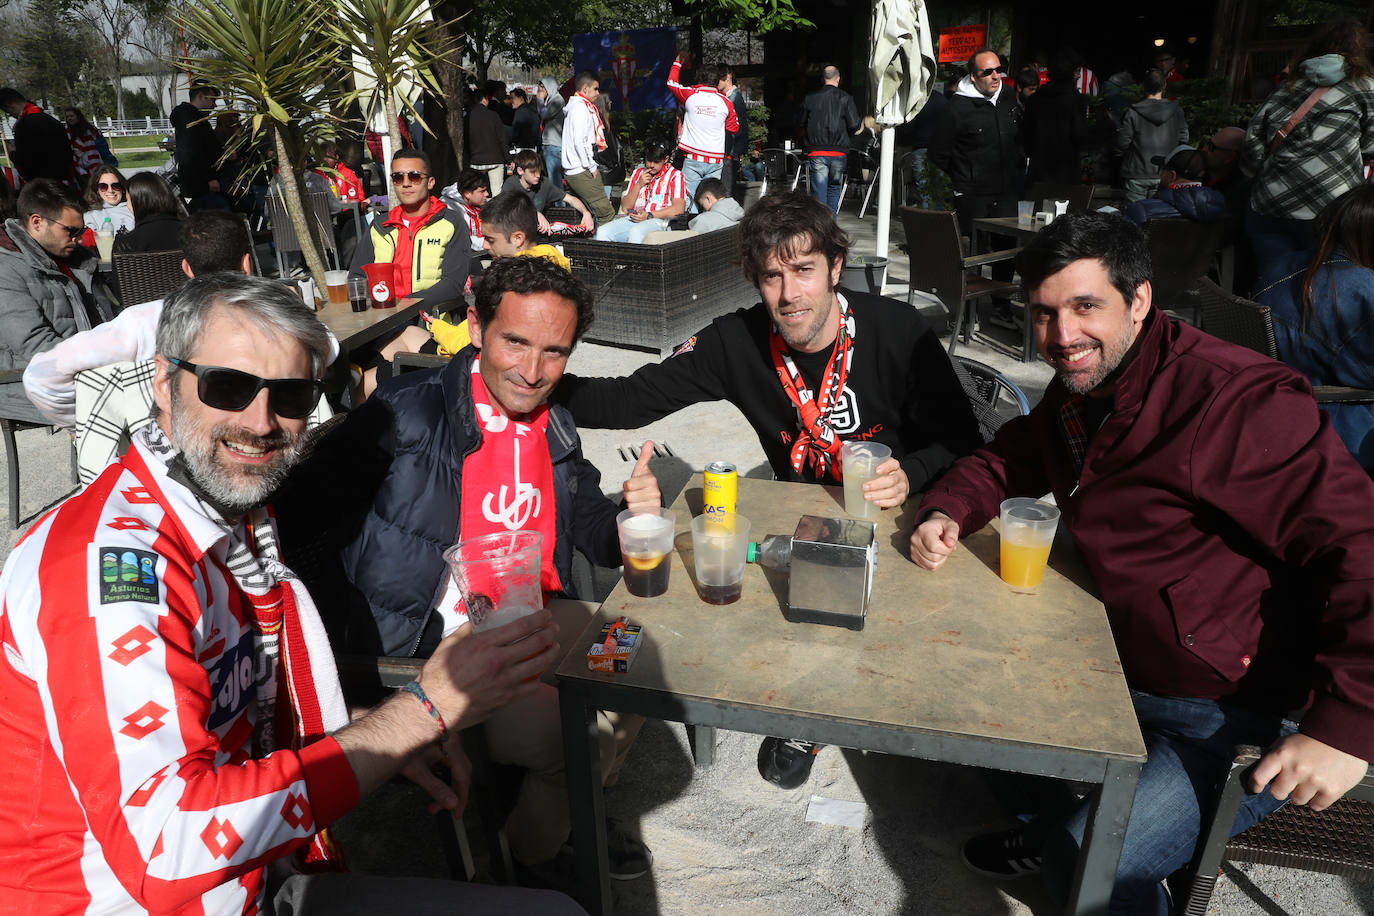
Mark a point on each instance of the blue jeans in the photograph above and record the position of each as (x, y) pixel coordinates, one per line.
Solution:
(553, 165)
(692, 174)
(827, 178)
(1189, 744)
(624, 229)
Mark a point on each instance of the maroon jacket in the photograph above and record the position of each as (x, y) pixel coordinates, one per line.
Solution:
(1229, 530)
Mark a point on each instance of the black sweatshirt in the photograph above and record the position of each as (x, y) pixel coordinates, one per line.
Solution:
(901, 390)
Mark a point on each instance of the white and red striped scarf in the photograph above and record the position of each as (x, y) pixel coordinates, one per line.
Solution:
(817, 448)
(596, 119)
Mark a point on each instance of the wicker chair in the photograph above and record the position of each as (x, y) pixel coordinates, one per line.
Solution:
(1233, 319)
(987, 390)
(284, 233)
(1337, 841)
(654, 297)
(938, 266)
(18, 413)
(145, 276)
(1182, 252)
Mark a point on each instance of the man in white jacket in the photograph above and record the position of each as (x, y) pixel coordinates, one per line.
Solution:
(583, 136)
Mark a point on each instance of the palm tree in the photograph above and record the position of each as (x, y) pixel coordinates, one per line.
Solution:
(275, 61)
(393, 48)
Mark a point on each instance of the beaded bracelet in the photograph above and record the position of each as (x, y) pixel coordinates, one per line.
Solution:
(415, 690)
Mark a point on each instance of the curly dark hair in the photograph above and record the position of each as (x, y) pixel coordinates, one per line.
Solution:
(1109, 237)
(788, 225)
(530, 274)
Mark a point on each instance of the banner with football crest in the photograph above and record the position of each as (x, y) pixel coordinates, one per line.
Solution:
(633, 65)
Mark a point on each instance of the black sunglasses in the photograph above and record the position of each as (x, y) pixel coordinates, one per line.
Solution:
(230, 389)
(73, 232)
(989, 71)
(414, 176)
(109, 186)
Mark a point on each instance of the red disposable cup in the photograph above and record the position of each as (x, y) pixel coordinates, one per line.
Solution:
(381, 284)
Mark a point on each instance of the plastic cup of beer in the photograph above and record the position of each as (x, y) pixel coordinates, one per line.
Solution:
(104, 244)
(357, 294)
(720, 547)
(498, 576)
(859, 465)
(1027, 531)
(646, 540)
(337, 281)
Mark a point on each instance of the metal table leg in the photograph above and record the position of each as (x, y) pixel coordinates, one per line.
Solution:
(703, 738)
(586, 806)
(1102, 839)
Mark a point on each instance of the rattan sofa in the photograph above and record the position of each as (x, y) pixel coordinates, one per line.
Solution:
(654, 297)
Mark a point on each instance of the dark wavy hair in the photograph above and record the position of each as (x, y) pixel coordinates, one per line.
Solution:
(92, 197)
(1108, 237)
(788, 225)
(1344, 225)
(531, 275)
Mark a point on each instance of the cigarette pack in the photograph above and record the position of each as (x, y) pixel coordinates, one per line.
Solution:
(617, 649)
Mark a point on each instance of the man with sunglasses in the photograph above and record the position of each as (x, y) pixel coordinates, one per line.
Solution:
(169, 680)
(46, 291)
(978, 142)
(421, 235)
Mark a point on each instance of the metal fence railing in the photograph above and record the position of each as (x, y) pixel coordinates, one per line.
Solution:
(113, 128)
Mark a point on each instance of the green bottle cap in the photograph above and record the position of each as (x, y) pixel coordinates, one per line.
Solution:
(753, 555)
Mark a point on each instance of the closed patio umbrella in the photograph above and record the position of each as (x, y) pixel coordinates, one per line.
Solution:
(901, 70)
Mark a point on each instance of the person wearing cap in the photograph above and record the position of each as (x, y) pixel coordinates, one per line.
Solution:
(1183, 191)
(1149, 128)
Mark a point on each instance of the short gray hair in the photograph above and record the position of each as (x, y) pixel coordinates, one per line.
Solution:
(266, 303)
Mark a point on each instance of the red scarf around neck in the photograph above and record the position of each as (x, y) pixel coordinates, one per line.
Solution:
(508, 481)
(817, 449)
(404, 253)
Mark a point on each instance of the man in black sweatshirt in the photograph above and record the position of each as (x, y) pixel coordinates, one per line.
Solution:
(809, 367)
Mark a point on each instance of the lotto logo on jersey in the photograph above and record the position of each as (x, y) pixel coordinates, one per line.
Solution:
(127, 575)
(231, 682)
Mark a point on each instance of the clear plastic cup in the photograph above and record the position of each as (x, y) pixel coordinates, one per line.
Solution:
(646, 540)
(337, 283)
(1025, 211)
(498, 576)
(859, 464)
(720, 546)
(1028, 527)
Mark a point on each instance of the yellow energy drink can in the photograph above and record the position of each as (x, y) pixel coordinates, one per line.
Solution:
(721, 488)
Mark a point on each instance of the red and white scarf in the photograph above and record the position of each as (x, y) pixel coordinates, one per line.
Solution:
(508, 481)
(596, 119)
(817, 449)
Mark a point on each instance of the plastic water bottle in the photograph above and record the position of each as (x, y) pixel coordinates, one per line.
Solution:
(774, 551)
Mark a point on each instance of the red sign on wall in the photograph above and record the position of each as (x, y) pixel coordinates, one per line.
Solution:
(957, 43)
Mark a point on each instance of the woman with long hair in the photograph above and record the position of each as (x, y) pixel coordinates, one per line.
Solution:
(1303, 160)
(157, 215)
(1323, 311)
(89, 147)
(105, 199)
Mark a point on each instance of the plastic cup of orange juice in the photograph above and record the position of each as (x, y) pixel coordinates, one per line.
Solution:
(1028, 527)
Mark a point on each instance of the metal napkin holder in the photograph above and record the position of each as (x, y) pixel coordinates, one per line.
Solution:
(831, 572)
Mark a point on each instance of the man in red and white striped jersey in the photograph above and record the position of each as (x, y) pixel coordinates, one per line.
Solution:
(657, 192)
(174, 722)
(707, 116)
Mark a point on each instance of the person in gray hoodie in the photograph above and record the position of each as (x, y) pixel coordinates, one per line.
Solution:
(1151, 127)
(551, 114)
(718, 209)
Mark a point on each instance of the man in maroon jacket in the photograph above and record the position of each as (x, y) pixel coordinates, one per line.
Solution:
(1231, 536)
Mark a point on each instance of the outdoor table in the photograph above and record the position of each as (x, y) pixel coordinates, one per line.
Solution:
(1002, 225)
(357, 328)
(951, 666)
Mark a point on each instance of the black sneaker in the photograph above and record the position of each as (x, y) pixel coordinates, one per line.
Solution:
(786, 762)
(628, 855)
(1002, 856)
(1003, 317)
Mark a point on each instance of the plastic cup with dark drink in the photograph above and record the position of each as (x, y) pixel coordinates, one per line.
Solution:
(646, 540)
(720, 546)
(357, 294)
